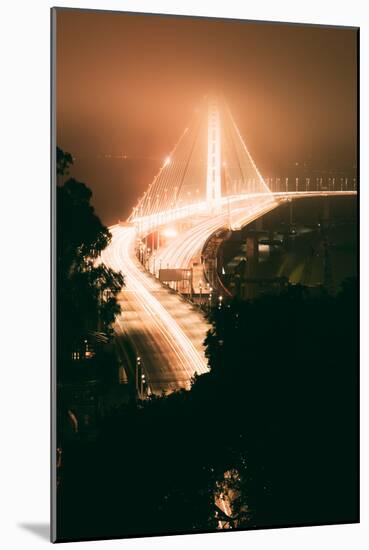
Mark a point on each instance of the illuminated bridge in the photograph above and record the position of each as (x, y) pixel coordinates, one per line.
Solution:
(208, 182)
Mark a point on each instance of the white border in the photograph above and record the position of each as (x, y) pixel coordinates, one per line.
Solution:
(24, 206)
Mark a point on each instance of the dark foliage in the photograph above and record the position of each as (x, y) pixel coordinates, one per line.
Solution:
(63, 162)
(86, 288)
(279, 408)
(290, 365)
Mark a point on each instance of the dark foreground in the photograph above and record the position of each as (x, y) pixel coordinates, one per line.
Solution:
(279, 410)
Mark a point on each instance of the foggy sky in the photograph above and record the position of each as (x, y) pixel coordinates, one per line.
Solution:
(128, 84)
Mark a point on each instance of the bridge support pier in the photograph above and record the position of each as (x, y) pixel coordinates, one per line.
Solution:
(259, 224)
(252, 250)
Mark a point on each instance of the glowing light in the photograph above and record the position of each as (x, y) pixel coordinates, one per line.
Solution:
(167, 201)
(169, 232)
(120, 253)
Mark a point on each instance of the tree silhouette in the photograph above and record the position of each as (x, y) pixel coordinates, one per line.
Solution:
(274, 423)
(63, 162)
(86, 288)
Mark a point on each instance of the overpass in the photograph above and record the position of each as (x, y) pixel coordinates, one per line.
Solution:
(208, 182)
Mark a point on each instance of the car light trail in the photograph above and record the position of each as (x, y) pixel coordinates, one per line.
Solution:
(211, 181)
(120, 256)
(182, 250)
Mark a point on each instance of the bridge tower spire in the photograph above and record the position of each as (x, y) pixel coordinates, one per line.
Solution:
(213, 180)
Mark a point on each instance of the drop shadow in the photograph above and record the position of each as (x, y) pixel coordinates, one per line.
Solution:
(42, 530)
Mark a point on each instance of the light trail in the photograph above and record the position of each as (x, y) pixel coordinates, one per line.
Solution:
(166, 331)
(183, 249)
(178, 358)
(200, 181)
(237, 211)
(146, 224)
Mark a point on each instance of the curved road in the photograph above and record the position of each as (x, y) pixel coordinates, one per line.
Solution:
(181, 251)
(164, 330)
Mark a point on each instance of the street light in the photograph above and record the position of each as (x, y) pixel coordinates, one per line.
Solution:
(220, 301)
(138, 367)
(210, 296)
(143, 382)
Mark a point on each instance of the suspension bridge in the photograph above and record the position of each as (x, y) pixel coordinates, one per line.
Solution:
(208, 182)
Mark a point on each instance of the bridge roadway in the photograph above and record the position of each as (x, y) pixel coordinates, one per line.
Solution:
(235, 214)
(164, 330)
(181, 251)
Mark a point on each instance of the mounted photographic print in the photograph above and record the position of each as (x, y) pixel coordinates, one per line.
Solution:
(204, 270)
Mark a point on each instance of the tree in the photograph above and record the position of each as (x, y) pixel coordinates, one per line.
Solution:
(287, 367)
(86, 288)
(63, 161)
(274, 425)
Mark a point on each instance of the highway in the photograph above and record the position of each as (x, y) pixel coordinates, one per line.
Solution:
(186, 246)
(236, 212)
(164, 330)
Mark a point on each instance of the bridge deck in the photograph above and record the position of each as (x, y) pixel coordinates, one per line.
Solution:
(165, 331)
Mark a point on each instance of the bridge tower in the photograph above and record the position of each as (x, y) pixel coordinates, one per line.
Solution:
(213, 180)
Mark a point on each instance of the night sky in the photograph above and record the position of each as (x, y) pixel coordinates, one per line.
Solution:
(127, 86)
